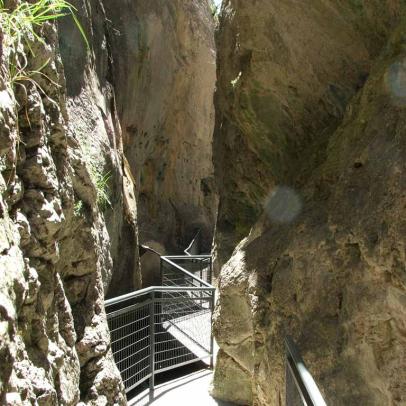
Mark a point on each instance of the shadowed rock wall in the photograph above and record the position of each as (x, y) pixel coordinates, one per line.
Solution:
(94, 120)
(311, 120)
(165, 78)
(286, 73)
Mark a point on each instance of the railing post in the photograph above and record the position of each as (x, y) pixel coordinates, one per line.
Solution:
(211, 271)
(161, 270)
(152, 346)
(211, 330)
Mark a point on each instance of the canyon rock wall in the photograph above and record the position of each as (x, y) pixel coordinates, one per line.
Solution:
(84, 132)
(165, 77)
(310, 150)
(67, 211)
(91, 105)
(286, 72)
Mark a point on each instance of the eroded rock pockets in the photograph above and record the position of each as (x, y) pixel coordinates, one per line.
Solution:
(314, 97)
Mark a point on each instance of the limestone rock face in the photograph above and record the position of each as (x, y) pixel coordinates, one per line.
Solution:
(311, 121)
(94, 122)
(165, 77)
(286, 72)
(129, 116)
(59, 139)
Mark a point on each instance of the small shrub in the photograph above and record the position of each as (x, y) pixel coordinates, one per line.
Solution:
(19, 26)
(78, 208)
(101, 182)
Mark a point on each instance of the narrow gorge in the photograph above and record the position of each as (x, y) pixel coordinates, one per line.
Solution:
(276, 130)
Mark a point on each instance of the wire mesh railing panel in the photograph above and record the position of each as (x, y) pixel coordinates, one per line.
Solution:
(182, 335)
(188, 318)
(164, 327)
(130, 340)
(173, 274)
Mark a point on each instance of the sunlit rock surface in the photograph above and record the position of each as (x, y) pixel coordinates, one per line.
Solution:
(129, 117)
(59, 137)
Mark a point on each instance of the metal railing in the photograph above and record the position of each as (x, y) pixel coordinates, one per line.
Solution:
(301, 389)
(190, 270)
(160, 328)
(194, 246)
(164, 327)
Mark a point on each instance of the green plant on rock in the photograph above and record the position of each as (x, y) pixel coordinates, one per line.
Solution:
(78, 208)
(19, 24)
(21, 75)
(19, 31)
(101, 182)
(215, 10)
(19, 27)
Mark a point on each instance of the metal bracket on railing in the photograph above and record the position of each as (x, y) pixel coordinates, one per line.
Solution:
(194, 246)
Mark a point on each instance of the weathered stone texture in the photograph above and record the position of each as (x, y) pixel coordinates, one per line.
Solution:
(63, 245)
(319, 107)
(165, 77)
(94, 122)
(286, 72)
(55, 256)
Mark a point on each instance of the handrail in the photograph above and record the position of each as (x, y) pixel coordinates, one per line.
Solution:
(194, 241)
(183, 270)
(146, 248)
(156, 289)
(146, 325)
(305, 384)
(201, 256)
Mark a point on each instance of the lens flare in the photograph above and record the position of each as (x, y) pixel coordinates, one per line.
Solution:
(283, 205)
(396, 82)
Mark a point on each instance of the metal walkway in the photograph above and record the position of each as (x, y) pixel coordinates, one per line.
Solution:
(191, 388)
(160, 328)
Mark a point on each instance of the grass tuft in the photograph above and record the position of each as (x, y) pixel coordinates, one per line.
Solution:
(19, 24)
(78, 208)
(101, 182)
